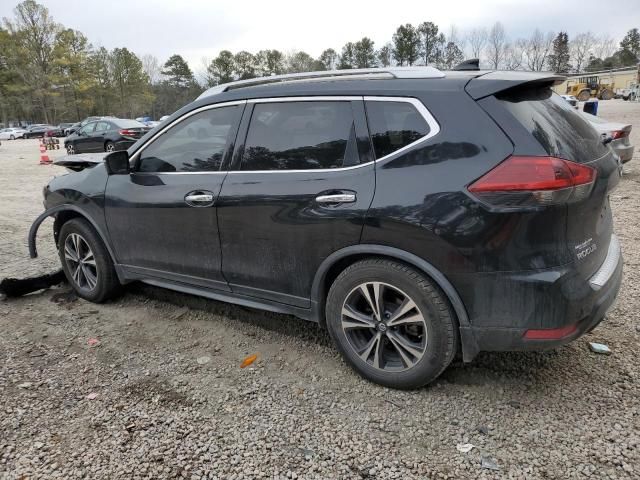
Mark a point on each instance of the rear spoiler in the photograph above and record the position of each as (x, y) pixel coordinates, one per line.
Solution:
(498, 81)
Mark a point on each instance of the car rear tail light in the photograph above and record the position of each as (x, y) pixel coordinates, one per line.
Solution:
(616, 134)
(127, 133)
(550, 333)
(522, 181)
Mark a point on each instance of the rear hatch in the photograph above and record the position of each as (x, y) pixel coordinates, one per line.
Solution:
(560, 132)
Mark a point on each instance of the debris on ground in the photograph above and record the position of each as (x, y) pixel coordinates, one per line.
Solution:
(489, 463)
(92, 396)
(465, 447)
(68, 296)
(203, 360)
(17, 287)
(25, 385)
(92, 342)
(599, 348)
(483, 430)
(248, 360)
(179, 313)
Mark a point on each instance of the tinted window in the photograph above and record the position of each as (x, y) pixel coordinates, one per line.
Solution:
(299, 136)
(394, 125)
(561, 130)
(197, 144)
(102, 126)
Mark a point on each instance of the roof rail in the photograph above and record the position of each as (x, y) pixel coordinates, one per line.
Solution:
(387, 72)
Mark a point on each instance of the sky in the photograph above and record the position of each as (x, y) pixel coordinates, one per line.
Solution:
(198, 29)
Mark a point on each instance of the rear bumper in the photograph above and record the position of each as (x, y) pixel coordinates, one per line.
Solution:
(625, 152)
(541, 301)
(124, 144)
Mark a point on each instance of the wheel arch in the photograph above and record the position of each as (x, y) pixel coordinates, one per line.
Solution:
(338, 261)
(64, 213)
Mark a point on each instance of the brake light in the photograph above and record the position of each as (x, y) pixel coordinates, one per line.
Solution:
(127, 133)
(616, 134)
(534, 181)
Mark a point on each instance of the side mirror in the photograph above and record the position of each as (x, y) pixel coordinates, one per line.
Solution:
(117, 163)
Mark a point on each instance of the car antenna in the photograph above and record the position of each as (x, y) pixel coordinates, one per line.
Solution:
(471, 64)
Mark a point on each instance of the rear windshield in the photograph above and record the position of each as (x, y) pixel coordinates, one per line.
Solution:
(561, 130)
(123, 123)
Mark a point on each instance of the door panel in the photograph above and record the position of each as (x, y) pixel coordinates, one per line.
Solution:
(275, 227)
(162, 217)
(153, 227)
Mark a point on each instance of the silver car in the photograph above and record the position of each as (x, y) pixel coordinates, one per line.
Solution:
(619, 132)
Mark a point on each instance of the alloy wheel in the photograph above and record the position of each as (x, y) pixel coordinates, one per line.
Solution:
(70, 150)
(81, 262)
(110, 147)
(12, 137)
(384, 326)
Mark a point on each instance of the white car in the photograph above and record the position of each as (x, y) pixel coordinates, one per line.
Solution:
(573, 101)
(618, 132)
(11, 133)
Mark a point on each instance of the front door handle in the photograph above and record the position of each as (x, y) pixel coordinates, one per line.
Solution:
(199, 199)
(342, 197)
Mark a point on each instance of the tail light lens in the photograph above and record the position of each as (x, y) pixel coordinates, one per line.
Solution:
(616, 134)
(127, 133)
(522, 181)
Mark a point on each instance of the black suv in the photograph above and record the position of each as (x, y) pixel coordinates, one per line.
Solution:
(415, 213)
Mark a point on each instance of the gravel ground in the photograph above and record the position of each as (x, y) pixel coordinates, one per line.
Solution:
(161, 394)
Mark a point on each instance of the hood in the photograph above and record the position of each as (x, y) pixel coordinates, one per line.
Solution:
(80, 161)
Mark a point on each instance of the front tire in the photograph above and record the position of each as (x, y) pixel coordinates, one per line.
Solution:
(86, 261)
(391, 323)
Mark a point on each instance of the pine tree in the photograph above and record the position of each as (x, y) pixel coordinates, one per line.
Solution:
(558, 61)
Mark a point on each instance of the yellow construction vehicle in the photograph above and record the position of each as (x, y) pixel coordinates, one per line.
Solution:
(587, 87)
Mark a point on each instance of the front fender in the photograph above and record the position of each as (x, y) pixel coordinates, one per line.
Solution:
(50, 212)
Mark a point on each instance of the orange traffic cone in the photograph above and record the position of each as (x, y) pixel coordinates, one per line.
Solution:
(44, 158)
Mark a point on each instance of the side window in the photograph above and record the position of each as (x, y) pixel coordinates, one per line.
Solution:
(102, 126)
(394, 125)
(87, 129)
(300, 136)
(196, 144)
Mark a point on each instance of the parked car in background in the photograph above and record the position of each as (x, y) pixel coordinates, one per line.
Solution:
(77, 126)
(163, 118)
(618, 132)
(395, 207)
(56, 132)
(106, 135)
(38, 131)
(573, 101)
(63, 127)
(12, 133)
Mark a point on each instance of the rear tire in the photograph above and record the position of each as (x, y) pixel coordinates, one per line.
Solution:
(11, 137)
(412, 339)
(86, 261)
(109, 147)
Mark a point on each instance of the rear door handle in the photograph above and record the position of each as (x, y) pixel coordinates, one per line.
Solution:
(342, 197)
(199, 199)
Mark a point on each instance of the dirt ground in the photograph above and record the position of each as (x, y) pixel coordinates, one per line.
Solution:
(161, 394)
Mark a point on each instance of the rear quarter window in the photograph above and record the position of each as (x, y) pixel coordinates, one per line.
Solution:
(394, 125)
(556, 125)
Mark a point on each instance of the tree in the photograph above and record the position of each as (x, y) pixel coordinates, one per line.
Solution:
(477, 39)
(151, 67)
(496, 45)
(558, 61)
(428, 32)
(364, 53)
(244, 65)
(71, 72)
(452, 55)
(177, 72)
(35, 33)
(537, 49)
(222, 67)
(406, 45)
(269, 62)
(348, 56)
(514, 54)
(329, 59)
(604, 46)
(580, 48)
(130, 81)
(631, 42)
(298, 61)
(384, 55)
